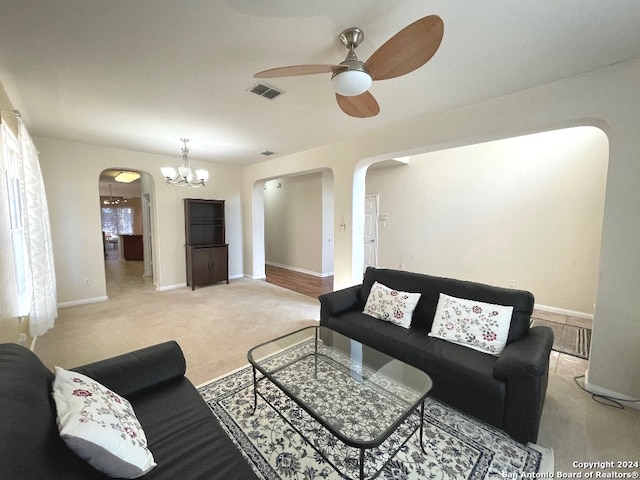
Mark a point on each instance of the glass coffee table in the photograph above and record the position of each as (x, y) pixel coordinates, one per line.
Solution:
(361, 396)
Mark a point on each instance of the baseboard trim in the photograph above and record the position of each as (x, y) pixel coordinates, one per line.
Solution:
(171, 287)
(563, 311)
(605, 392)
(299, 270)
(254, 277)
(84, 301)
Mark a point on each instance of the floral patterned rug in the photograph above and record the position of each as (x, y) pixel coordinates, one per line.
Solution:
(281, 441)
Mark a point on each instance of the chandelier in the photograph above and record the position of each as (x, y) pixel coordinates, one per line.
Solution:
(184, 176)
(111, 200)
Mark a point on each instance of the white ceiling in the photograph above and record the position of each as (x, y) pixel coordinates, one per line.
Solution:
(141, 74)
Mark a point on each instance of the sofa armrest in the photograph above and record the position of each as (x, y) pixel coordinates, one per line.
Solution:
(135, 371)
(526, 357)
(334, 303)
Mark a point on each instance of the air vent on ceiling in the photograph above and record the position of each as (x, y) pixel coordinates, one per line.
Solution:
(266, 153)
(266, 91)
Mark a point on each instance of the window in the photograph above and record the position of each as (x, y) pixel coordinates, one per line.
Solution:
(16, 211)
(117, 220)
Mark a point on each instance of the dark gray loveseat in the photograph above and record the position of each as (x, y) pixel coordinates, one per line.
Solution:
(185, 438)
(507, 391)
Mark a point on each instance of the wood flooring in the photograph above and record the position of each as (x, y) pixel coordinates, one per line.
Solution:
(299, 282)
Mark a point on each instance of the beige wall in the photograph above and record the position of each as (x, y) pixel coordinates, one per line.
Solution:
(523, 212)
(71, 172)
(293, 222)
(298, 225)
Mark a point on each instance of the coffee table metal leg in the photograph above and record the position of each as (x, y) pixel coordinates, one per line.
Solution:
(422, 425)
(315, 356)
(362, 464)
(255, 391)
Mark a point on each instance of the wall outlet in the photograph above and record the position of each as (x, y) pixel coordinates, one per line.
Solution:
(86, 282)
(512, 283)
(402, 266)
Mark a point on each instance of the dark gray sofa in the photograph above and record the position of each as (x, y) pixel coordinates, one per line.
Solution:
(507, 391)
(185, 438)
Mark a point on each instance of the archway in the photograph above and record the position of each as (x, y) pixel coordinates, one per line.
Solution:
(125, 207)
(523, 212)
(298, 231)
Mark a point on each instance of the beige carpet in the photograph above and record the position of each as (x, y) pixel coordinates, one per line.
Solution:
(215, 326)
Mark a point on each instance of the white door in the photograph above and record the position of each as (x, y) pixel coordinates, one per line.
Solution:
(370, 231)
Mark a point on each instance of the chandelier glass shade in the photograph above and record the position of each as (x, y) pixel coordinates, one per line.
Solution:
(183, 176)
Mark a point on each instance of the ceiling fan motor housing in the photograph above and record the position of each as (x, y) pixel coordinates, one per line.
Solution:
(356, 79)
(351, 37)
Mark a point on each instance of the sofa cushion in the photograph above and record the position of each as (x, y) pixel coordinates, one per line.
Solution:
(391, 305)
(186, 439)
(430, 288)
(100, 426)
(463, 377)
(135, 371)
(470, 323)
(28, 432)
(400, 343)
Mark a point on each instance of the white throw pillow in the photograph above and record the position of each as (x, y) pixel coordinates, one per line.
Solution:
(100, 426)
(391, 305)
(473, 324)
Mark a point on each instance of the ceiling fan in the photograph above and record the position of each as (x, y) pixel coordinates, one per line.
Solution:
(406, 51)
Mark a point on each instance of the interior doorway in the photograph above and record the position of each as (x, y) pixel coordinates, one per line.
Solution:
(298, 232)
(126, 230)
(371, 203)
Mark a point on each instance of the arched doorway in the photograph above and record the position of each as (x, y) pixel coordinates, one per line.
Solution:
(126, 230)
(298, 232)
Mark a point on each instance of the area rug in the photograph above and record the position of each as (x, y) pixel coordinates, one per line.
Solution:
(281, 441)
(569, 339)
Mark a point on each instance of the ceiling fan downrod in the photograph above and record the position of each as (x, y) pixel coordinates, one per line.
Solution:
(351, 38)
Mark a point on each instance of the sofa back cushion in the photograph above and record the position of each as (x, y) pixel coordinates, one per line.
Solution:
(430, 288)
(27, 414)
(135, 371)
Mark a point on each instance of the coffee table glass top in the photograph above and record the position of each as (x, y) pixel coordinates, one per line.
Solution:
(359, 394)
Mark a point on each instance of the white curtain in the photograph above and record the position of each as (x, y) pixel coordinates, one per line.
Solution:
(27, 272)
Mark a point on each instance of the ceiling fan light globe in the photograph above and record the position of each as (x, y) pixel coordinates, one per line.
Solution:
(351, 83)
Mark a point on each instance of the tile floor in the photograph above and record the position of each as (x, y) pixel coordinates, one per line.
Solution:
(561, 363)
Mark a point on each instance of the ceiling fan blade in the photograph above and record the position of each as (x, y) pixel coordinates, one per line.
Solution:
(407, 50)
(360, 106)
(295, 70)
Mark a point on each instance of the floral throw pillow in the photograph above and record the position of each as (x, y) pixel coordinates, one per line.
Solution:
(100, 426)
(473, 324)
(391, 305)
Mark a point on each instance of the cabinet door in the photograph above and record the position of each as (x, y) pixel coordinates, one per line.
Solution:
(201, 266)
(220, 264)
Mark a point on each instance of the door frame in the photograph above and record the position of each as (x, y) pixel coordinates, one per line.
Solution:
(374, 241)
